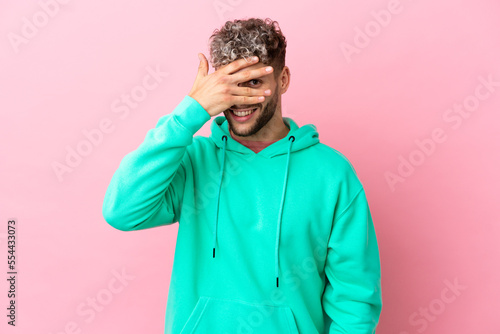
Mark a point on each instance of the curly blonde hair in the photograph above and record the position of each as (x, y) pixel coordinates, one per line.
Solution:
(246, 38)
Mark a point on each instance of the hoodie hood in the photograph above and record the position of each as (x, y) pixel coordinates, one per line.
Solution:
(304, 136)
(298, 138)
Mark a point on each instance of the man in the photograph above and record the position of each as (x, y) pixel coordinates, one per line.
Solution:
(275, 233)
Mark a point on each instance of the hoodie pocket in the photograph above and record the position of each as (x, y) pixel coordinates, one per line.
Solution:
(229, 316)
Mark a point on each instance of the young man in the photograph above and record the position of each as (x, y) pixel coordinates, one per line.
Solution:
(275, 233)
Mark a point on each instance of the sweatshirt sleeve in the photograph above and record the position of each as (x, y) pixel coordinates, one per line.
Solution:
(353, 298)
(147, 188)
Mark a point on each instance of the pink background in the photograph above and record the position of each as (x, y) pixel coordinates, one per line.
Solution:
(438, 225)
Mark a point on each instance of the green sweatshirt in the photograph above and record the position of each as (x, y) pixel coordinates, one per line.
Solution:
(279, 241)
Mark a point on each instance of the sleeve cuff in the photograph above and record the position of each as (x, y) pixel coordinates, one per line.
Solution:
(191, 114)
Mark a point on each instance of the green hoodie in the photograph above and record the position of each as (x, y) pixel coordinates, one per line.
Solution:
(279, 241)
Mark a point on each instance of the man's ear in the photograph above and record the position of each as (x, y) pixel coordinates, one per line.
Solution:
(284, 79)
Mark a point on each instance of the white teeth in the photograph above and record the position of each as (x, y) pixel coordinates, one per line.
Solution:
(243, 113)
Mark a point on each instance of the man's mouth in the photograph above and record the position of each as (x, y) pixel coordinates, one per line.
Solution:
(242, 112)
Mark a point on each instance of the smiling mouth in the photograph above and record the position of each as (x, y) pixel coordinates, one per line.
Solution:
(243, 112)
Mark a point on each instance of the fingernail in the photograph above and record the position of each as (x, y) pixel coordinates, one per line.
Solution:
(267, 91)
(269, 69)
(255, 58)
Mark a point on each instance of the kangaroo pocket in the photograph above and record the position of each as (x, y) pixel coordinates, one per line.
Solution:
(229, 316)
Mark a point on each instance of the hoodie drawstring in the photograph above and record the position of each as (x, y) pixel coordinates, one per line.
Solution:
(224, 140)
(290, 140)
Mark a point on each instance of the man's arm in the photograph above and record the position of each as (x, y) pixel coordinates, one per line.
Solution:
(146, 190)
(353, 296)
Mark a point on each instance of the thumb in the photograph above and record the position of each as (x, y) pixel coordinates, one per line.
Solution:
(203, 67)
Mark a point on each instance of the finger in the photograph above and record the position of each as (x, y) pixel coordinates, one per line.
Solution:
(249, 91)
(247, 75)
(203, 67)
(247, 99)
(238, 65)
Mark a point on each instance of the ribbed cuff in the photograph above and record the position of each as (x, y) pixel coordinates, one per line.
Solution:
(191, 114)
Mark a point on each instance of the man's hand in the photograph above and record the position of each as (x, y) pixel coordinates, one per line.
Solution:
(219, 90)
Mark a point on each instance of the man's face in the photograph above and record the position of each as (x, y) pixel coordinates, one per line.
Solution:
(261, 113)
